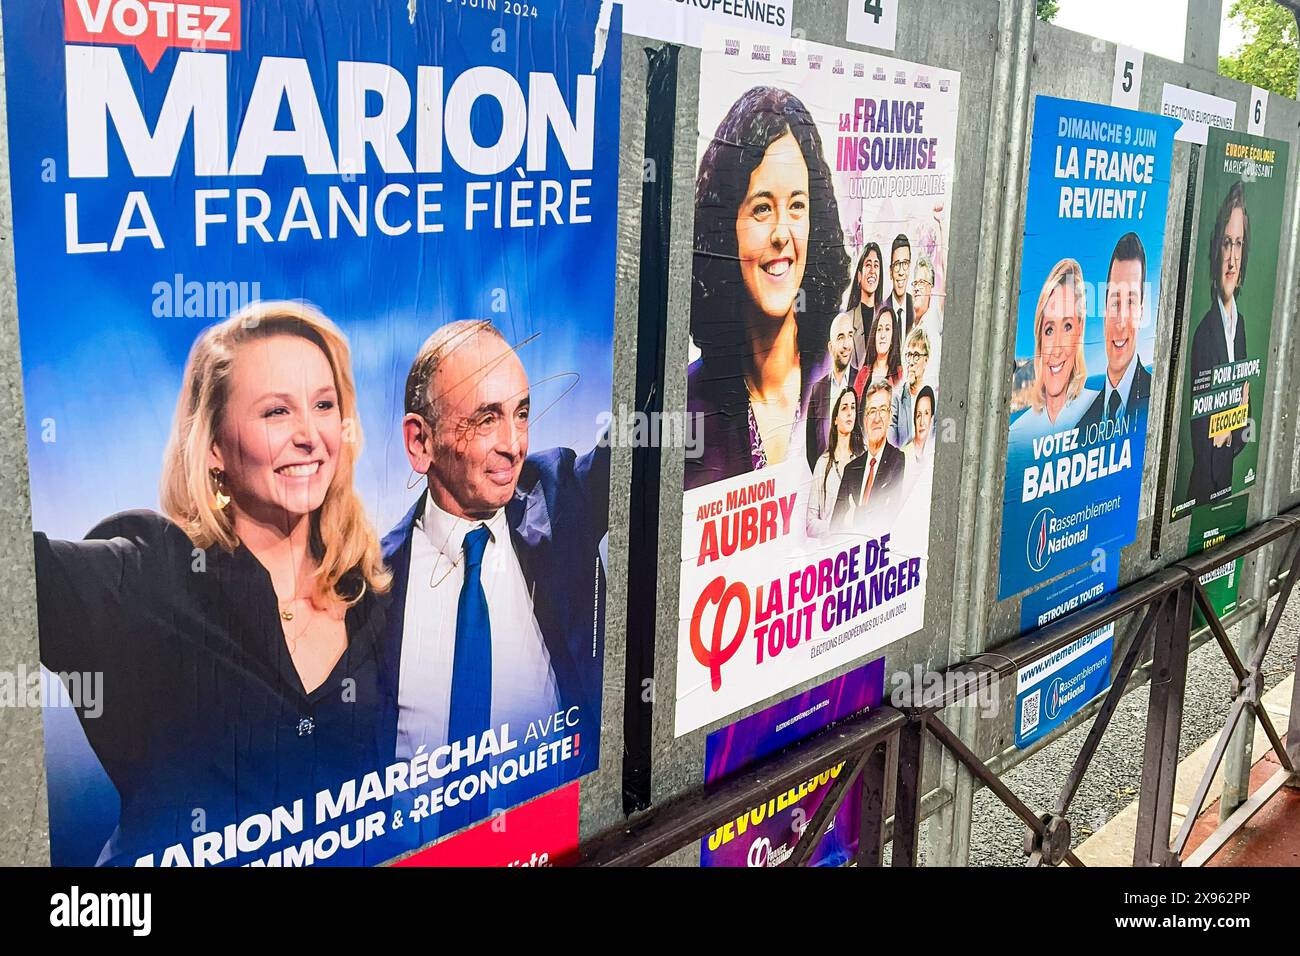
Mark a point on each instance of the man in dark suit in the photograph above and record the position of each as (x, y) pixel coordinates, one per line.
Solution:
(1127, 387)
(871, 489)
(828, 388)
(1220, 339)
(498, 603)
(899, 299)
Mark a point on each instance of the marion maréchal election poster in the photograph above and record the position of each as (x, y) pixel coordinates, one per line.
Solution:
(1085, 343)
(822, 204)
(1237, 241)
(246, 235)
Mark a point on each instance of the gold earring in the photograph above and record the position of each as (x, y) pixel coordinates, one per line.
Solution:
(219, 496)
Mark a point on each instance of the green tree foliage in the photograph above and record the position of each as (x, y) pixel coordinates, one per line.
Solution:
(1270, 55)
(1047, 9)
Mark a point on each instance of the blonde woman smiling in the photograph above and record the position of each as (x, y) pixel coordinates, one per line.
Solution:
(238, 632)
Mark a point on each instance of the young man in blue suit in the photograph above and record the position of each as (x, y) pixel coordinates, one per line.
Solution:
(1126, 389)
(498, 600)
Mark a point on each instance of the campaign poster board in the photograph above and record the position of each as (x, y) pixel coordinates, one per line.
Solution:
(1238, 241)
(821, 172)
(1054, 688)
(1211, 525)
(245, 672)
(766, 835)
(1085, 340)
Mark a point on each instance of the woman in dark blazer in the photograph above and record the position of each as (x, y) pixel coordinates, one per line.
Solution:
(770, 272)
(237, 634)
(1213, 456)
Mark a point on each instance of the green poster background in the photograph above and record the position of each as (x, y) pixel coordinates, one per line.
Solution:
(1211, 525)
(1261, 166)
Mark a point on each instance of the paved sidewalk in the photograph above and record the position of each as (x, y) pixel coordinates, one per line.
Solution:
(1267, 840)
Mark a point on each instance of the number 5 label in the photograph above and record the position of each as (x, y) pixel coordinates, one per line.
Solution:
(874, 23)
(1128, 78)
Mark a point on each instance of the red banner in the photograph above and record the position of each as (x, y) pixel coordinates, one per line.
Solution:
(541, 833)
(152, 26)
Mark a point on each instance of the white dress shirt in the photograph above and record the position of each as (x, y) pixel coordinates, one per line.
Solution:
(523, 683)
(838, 385)
(932, 322)
(1124, 388)
(1229, 316)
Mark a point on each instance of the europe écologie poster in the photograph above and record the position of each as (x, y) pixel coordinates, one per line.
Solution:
(1085, 336)
(248, 234)
(1211, 526)
(1239, 234)
(822, 207)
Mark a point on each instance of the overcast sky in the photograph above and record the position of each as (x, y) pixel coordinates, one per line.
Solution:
(1155, 26)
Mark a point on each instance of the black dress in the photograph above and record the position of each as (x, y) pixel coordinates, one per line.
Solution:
(205, 721)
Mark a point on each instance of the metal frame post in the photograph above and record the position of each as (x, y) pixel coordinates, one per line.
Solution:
(871, 818)
(1201, 38)
(910, 789)
(1239, 756)
(1293, 725)
(1164, 725)
(985, 413)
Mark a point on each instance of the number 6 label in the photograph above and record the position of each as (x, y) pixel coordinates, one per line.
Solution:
(873, 23)
(1258, 111)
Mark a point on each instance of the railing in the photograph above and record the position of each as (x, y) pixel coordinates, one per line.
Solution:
(897, 736)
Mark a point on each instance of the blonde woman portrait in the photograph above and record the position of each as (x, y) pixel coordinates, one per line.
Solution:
(1056, 394)
(237, 631)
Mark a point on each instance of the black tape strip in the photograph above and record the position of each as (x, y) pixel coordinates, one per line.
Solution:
(1175, 353)
(643, 517)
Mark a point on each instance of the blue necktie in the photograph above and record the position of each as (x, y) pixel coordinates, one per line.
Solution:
(1114, 406)
(471, 674)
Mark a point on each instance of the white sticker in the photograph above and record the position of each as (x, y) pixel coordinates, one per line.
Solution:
(1198, 111)
(1258, 111)
(1128, 78)
(874, 23)
(686, 23)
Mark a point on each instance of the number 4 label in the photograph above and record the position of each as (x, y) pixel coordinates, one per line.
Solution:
(874, 23)
(1258, 111)
(1128, 78)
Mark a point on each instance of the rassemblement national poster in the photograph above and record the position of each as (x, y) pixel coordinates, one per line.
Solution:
(1085, 337)
(298, 195)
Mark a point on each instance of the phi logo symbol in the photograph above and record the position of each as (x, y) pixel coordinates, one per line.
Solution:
(1036, 541)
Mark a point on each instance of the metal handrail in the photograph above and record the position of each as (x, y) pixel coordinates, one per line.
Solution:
(1167, 596)
(869, 742)
(655, 834)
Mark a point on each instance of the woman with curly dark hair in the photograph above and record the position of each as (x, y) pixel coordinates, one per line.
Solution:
(769, 275)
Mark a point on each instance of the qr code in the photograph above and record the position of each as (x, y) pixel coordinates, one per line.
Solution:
(1029, 713)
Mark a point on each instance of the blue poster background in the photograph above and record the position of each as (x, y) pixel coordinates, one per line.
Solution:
(1054, 696)
(1061, 529)
(103, 366)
